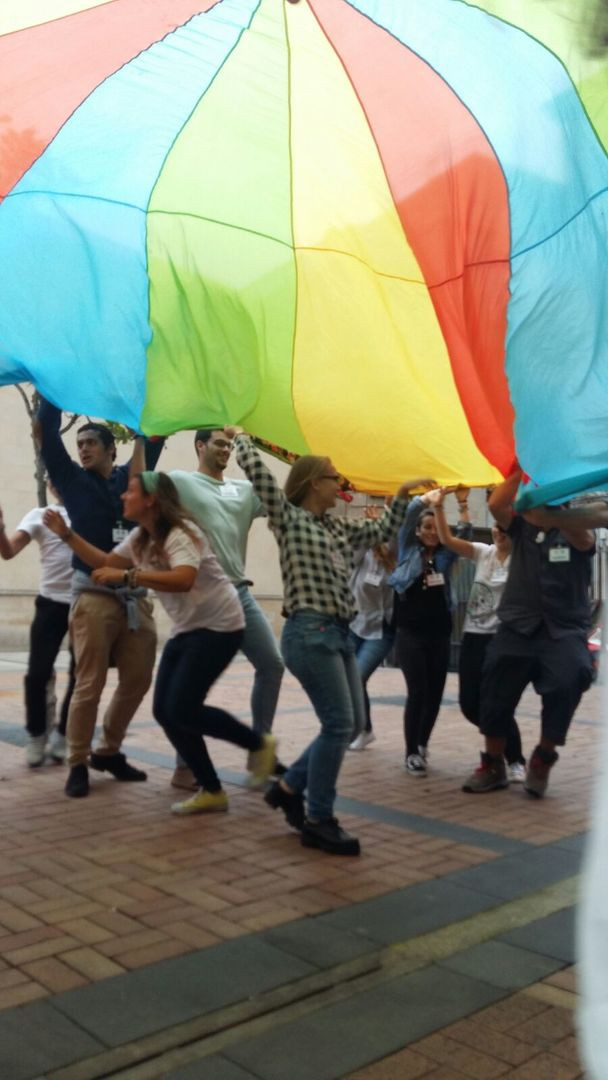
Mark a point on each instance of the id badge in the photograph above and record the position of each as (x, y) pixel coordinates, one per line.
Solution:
(337, 560)
(119, 533)
(372, 578)
(228, 491)
(499, 577)
(559, 554)
(436, 578)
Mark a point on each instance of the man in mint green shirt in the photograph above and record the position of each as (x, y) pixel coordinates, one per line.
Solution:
(225, 510)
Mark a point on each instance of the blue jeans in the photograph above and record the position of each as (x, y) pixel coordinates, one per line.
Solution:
(260, 647)
(317, 649)
(370, 653)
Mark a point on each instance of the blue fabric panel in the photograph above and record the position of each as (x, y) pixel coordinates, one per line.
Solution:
(74, 309)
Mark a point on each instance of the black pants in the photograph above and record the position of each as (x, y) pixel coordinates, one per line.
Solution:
(424, 663)
(473, 651)
(47, 631)
(189, 666)
(559, 670)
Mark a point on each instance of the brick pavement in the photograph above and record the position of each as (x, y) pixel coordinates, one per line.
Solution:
(94, 888)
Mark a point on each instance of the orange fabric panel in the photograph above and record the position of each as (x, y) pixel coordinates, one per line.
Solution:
(46, 71)
(452, 200)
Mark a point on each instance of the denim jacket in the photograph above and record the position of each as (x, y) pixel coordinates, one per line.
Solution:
(409, 554)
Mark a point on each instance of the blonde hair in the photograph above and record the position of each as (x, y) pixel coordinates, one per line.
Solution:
(301, 475)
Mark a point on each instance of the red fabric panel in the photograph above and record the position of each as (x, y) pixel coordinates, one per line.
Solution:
(451, 196)
(47, 71)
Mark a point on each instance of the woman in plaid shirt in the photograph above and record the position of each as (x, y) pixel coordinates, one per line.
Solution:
(316, 556)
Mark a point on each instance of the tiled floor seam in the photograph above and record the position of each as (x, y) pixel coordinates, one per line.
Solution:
(238, 1022)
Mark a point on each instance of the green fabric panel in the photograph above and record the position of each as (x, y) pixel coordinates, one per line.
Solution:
(220, 253)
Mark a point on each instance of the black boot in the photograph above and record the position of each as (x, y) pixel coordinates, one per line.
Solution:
(77, 783)
(118, 766)
(329, 836)
(291, 803)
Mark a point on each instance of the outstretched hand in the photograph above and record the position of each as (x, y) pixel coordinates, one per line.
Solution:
(434, 497)
(108, 575)
(410, 485)
(231, 431)
(54, 521)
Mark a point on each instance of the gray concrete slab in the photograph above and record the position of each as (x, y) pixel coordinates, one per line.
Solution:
(553, 935)
(209, 1068)
(36, 1039)
(501, 964)
(516, 875)
(330, 1043)
(128, 1007)
(406, 913)
(318, 943)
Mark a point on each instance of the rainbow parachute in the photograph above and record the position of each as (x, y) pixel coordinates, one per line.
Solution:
(375, 229)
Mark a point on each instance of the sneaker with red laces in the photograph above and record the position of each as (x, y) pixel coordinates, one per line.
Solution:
(490, 775)
(537, 774)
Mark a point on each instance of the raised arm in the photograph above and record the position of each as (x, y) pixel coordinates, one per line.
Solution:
(500, 503)
(58, 462)
(445, 534)
(588, 516)
(13, 544)
(264, 483)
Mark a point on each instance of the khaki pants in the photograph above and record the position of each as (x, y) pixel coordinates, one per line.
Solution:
(98, 628)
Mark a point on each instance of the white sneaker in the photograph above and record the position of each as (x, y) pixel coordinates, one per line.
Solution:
(516, 772)
(34, 751)
(56, 746)
(415, 765)
(364, 738)
(423, 752)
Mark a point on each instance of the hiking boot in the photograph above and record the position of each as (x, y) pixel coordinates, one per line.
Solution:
(364, 738)
(118, 766)
(490, 775)
(415, 765)
(204, 802)
(184, 778)
(290, 802)
(537, 774)
(262, 762)
(329, 836)
(34, 750)
(56, 747)
(77, 783)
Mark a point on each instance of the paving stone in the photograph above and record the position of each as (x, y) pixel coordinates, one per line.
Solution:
(408, 912)
(336, 1040)
(127, 1007)
(37, 1038)
(216, 1068)
(318, 943)
(516, 875)
(503, 965)
(553, 935)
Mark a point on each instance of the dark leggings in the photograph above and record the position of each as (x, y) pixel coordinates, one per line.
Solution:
(189, 666)
(48, 629)
(472, 657)
(424, 663)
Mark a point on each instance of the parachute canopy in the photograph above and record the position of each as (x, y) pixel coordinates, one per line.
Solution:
(369, 229)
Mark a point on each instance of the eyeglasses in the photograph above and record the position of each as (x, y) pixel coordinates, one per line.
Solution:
(331, 476)
(222, 444)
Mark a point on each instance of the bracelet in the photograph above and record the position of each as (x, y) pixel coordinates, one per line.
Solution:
(463, 506)
(132, 577)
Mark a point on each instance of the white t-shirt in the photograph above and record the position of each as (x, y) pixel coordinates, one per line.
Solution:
(486, 593)
(55, 555)
(212, 603)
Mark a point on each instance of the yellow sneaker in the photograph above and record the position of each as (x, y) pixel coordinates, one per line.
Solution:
(204, 802)
(261, 762)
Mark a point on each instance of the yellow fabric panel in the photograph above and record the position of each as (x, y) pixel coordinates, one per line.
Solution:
(368, 344)
(19, 14)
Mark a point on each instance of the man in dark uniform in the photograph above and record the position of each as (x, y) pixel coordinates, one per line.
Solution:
(545, 615)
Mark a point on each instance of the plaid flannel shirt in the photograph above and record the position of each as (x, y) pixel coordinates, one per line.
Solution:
(316, 553)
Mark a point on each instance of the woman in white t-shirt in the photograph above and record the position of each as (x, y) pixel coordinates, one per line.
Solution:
(481, 623)
(169, 554)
